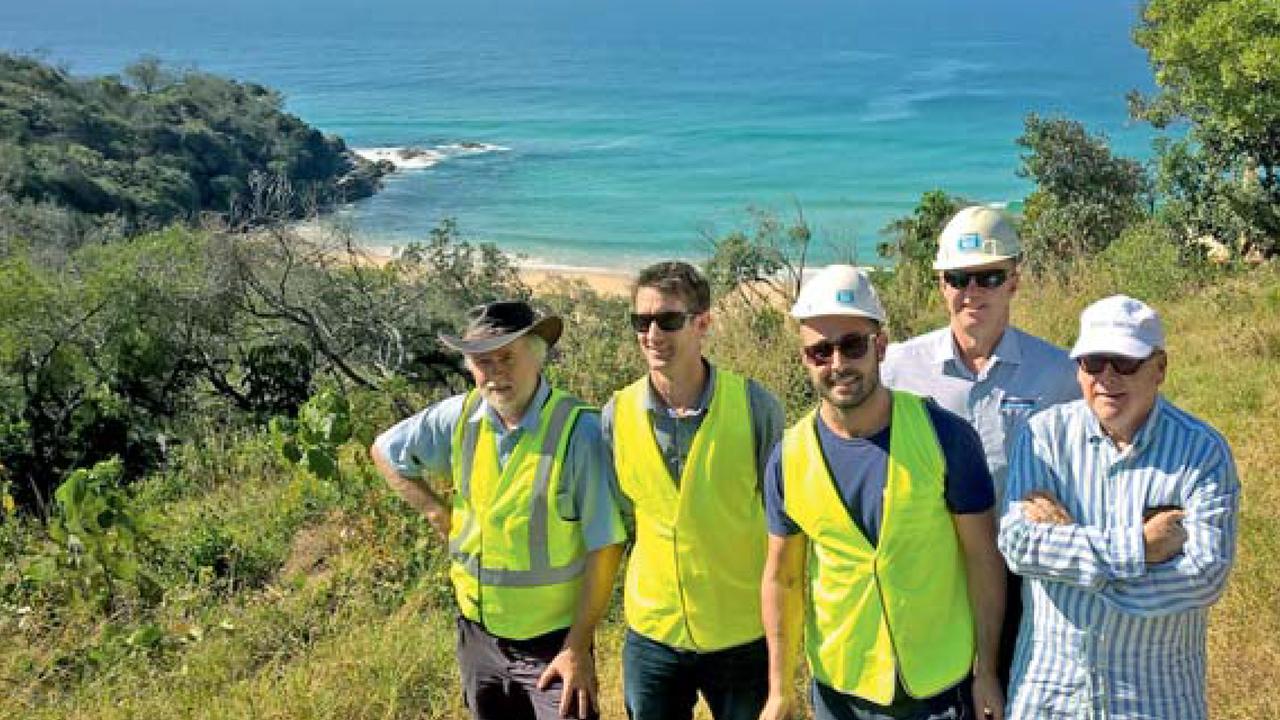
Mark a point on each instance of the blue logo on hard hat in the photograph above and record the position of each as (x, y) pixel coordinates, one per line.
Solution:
(969, 241)
(844, 296)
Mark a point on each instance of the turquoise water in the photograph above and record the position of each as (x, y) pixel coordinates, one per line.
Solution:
(620, 132)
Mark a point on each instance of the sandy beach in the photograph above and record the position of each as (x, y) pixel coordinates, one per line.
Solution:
(606, 281)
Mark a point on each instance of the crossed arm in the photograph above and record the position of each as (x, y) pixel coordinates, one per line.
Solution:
(1174, 560)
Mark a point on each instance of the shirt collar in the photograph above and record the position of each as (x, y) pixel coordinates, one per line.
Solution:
(654, 403)
(1008, 350)
(529, 422)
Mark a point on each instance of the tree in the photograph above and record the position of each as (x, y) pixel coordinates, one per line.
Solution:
(1217, 64)
(148, 74)
(1084, 197)
(909, 288)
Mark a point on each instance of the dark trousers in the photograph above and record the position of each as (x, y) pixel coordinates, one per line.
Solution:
(953, 704)
(500, 676)
(663, 683)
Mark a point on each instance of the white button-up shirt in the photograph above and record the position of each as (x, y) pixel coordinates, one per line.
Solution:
(1024, 376)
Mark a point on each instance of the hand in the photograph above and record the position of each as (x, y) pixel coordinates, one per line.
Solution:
(777, 707)
(1163, 535)
(1042, 507)
(578, 671)
(440, 522)
(988, 697)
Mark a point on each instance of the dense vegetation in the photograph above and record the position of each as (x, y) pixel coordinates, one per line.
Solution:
(154, 147)
(189, 526)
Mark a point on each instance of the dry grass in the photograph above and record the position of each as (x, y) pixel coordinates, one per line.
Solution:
(339, 635)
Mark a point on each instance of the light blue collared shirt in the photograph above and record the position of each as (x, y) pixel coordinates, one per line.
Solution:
(1024, 376)
(422, 445)
(1106, 635)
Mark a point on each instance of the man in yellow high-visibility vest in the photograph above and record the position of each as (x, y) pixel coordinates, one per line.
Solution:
(534, 533)
(689, 443)
(882, 534)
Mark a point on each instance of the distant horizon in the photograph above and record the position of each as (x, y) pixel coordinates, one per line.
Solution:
(627, 133)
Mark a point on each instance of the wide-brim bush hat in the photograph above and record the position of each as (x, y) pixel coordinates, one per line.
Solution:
(498, 324)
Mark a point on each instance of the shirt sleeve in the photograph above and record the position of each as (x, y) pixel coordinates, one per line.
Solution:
(1084, 556)
(421, 445)
(588, 495)
(968, 488)
(775, 512)
(768, 421)
(1197, 577)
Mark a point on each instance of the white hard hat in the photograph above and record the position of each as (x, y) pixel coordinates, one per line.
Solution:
(838, 290)
(977, 235)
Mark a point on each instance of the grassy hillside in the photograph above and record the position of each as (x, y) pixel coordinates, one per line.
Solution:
(290, 596)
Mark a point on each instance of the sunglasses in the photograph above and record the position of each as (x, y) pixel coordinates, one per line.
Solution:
(1095, 364)
(669, 321)
(989, 279)
(852, 347)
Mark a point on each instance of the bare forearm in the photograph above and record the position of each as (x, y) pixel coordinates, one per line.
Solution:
(782, 612)
(987, 594)
(593, 599)
(415, 492)
(986, 577)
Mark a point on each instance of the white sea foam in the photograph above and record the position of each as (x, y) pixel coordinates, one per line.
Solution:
(420, 158)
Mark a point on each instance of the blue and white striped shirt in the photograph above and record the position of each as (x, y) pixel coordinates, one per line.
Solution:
(1107, 635)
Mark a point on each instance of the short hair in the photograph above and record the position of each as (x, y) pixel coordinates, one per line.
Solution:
(676, 278)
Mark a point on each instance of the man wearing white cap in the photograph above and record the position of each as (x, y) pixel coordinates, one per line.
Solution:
(1121, 518)
(979, 366)
(882, 534)
(534, 533)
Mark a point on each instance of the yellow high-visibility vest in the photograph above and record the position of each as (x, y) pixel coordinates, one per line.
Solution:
(900, 608)
(693, 581)
(516, 564)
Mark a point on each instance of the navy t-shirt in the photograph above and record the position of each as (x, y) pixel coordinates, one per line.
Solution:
(859, 466)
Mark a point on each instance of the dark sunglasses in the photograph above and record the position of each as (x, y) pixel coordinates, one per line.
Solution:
(1095, 364)
(852, 346)
(669, 321)
(989, 279)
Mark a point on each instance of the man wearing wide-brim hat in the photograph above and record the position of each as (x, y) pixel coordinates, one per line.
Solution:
(1121, 517)
(533, 529)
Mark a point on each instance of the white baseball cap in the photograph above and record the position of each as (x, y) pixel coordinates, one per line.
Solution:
(1119, 325)
(977, 235)
(838, 290)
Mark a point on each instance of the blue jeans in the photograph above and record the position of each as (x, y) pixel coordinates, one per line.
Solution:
(662, 683)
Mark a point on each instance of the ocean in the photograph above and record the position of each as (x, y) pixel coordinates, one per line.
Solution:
(610, 133)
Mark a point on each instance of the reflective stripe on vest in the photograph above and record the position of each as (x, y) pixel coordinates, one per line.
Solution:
(516, 564)
(899, 609)
(693, 580)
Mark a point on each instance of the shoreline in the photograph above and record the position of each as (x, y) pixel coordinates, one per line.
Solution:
(605, 281)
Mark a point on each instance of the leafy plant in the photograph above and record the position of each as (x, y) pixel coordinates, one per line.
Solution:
(97, 536)
(312, 441)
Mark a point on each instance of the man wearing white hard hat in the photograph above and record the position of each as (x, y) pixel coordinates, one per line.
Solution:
(1121, 518)
(881, 534)
(979, 366)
